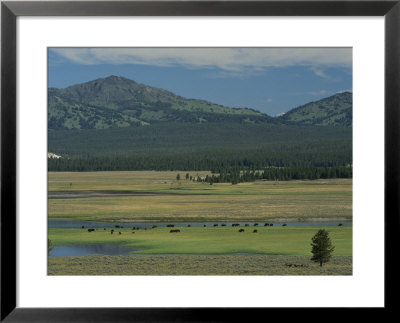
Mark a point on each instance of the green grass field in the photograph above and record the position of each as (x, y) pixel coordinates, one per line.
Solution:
(158, 196)
(211, 240)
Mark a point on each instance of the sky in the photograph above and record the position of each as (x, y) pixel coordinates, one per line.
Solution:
(270, 80)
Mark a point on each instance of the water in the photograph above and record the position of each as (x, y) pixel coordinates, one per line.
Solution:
(55, 223)
(109, 249)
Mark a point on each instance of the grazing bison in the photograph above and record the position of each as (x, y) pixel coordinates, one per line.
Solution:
(133, 232)
(83, 227)
(119, 232)
(117, 226)
(112, 232)
(254, 231)
(90, 230)
(170, 225)
(241, 230)
(223, 225)
(215, 225)
(235, 224)
(340, 224)
(271, 224)
(255, 224)
(175, 230)
(266, 225)
(284, 225)
(154, 226)
(205, 225)
(246, 225)
(188, 225)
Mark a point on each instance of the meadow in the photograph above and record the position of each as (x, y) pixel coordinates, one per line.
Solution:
(287, 240)
(159, 196)
(279, 265)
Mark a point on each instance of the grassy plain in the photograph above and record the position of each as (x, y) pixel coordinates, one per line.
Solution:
(158, 196)
(211, 240)
(198, 265)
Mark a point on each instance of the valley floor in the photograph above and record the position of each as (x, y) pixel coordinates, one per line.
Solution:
(157, 196)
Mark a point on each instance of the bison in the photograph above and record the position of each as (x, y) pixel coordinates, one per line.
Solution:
(154, 226)
(284, 225)
(215, 225)
(175, 230)
(90, 230)
(241, 230)
(254, 231)
(170, 225)
(340, 224)
(266, 225)
(255, 224)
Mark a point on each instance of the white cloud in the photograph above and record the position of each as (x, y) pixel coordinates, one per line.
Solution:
(234, 60)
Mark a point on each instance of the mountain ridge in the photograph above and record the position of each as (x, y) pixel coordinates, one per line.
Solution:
(116, 101)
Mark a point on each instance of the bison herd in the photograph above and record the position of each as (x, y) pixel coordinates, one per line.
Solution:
(177, 230)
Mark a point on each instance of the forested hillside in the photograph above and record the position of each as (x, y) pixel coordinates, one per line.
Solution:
(336, 110)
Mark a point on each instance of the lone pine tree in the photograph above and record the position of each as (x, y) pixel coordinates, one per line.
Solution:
(321, 247)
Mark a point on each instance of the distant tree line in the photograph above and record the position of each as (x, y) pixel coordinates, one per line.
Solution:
(274, 165)
(237, 175)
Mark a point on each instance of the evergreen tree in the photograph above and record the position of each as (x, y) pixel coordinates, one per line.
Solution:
(49, 247)
(321, 247)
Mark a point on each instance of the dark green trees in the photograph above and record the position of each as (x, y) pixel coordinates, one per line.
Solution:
(49, 247)
(321, 247)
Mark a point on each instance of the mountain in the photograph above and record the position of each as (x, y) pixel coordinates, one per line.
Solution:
(116, 102)
(336, 110)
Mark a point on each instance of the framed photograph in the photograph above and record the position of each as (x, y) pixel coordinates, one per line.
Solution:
(167, 161)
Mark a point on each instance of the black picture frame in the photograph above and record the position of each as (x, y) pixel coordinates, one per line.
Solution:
(10, 10)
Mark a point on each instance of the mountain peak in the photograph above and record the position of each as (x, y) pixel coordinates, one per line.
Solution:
(116, 78)
(334, 110)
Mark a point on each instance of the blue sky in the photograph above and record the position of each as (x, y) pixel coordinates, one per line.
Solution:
(271, 80)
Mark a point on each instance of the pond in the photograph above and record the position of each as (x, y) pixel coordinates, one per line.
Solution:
(108, 249)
